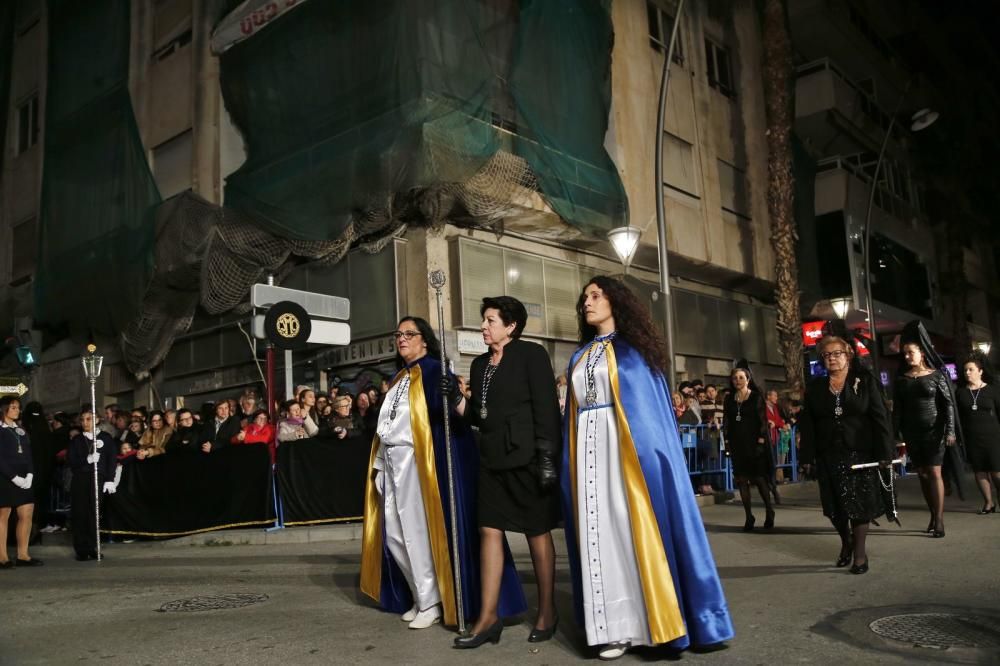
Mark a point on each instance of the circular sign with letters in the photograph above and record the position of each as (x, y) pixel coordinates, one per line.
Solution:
(287, 325)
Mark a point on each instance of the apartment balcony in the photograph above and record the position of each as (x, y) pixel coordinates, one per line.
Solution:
(902, 256)
(836, 115)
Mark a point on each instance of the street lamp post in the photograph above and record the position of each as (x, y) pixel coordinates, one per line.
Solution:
(919, 121)
(92, 364)
(661, 216)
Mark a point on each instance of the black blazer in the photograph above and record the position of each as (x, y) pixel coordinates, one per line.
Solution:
(522, 406)
(227, 430)
(865, 421)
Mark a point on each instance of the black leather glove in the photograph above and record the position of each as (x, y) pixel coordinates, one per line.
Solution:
(449, 387)
(547, 474)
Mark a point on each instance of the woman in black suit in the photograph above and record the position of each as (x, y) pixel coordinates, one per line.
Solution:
(843, 423)
(515, 406)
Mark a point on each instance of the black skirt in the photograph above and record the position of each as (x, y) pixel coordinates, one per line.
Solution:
(984, 458)
(852, 494)
(511, 500)
(751, 459)
(12, 496)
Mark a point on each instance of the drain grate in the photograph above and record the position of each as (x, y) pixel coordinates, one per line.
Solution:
(217, 602)
(940, 630)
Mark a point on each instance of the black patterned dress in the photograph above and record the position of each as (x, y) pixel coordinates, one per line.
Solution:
(835, 442)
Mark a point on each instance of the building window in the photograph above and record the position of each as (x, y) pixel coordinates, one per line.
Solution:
(27, 124)
(718, 65)
(548, 288)
(679, 171)
(171, 27)
(733, 189)
(23, 249)
(172, 165)
(661, 23)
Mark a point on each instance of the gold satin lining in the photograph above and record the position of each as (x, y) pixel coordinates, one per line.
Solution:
(662, 610)
(371, 534)
(423, 455)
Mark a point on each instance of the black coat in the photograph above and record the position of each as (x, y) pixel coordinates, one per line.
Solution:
(80, 448)
(522, 405)
(865, 421)
(220, 438)
(185, 439)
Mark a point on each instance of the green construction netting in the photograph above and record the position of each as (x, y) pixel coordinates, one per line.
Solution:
(347, 106)
(96, 231)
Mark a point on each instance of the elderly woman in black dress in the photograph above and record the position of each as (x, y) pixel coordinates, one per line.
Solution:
(16, 477)
(744, 426)
(515, 406)
(844, 423)
(923, 418)
(978, 406)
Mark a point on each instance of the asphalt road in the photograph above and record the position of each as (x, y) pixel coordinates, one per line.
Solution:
(789, 604)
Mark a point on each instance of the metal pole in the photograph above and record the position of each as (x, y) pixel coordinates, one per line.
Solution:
(437, 280)
(97, 490)
(869, 300)
(661, 221)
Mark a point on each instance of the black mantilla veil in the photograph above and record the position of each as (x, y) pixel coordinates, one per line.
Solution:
(915, 333)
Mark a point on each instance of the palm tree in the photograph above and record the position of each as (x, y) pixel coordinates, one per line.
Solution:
(779, 107)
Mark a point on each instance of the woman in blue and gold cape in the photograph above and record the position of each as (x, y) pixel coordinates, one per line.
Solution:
(406, 556)
(641, 567)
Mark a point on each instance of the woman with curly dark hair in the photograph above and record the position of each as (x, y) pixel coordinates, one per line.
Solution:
(642, 569)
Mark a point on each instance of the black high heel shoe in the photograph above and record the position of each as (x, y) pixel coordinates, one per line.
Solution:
(846, 555)
(492, 635)
(541, 635)
(859, 569)
(984, 511)
(769, 520)
(930, 526)
(748, 525)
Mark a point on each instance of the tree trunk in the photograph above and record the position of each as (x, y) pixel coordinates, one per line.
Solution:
(778, 100)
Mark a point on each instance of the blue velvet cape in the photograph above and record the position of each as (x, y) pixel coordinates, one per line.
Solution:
(645, 400)
(395, 593)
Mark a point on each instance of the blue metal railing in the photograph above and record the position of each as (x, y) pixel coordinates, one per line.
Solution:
(705, 454)
(708, 464)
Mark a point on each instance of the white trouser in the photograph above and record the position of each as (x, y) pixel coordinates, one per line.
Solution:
(406, 526)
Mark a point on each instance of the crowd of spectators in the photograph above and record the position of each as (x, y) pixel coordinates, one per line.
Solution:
(141, 434)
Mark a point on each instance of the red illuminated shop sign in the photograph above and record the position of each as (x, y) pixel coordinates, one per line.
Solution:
(812, 332)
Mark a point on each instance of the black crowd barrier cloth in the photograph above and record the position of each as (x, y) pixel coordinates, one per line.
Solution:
(186, 492)
(323, 480)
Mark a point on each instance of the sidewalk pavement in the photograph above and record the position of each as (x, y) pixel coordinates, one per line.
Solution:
(789, 604)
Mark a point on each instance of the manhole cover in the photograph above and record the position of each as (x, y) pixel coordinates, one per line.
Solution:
(940, 630)
(217, 602)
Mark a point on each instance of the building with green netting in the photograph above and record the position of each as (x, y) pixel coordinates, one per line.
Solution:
(168, 154)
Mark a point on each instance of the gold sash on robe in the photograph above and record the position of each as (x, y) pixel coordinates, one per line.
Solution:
(663, 613)
(423, 456)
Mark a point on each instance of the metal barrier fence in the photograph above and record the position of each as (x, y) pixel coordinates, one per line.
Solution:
(708, 464)
(705, 453)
